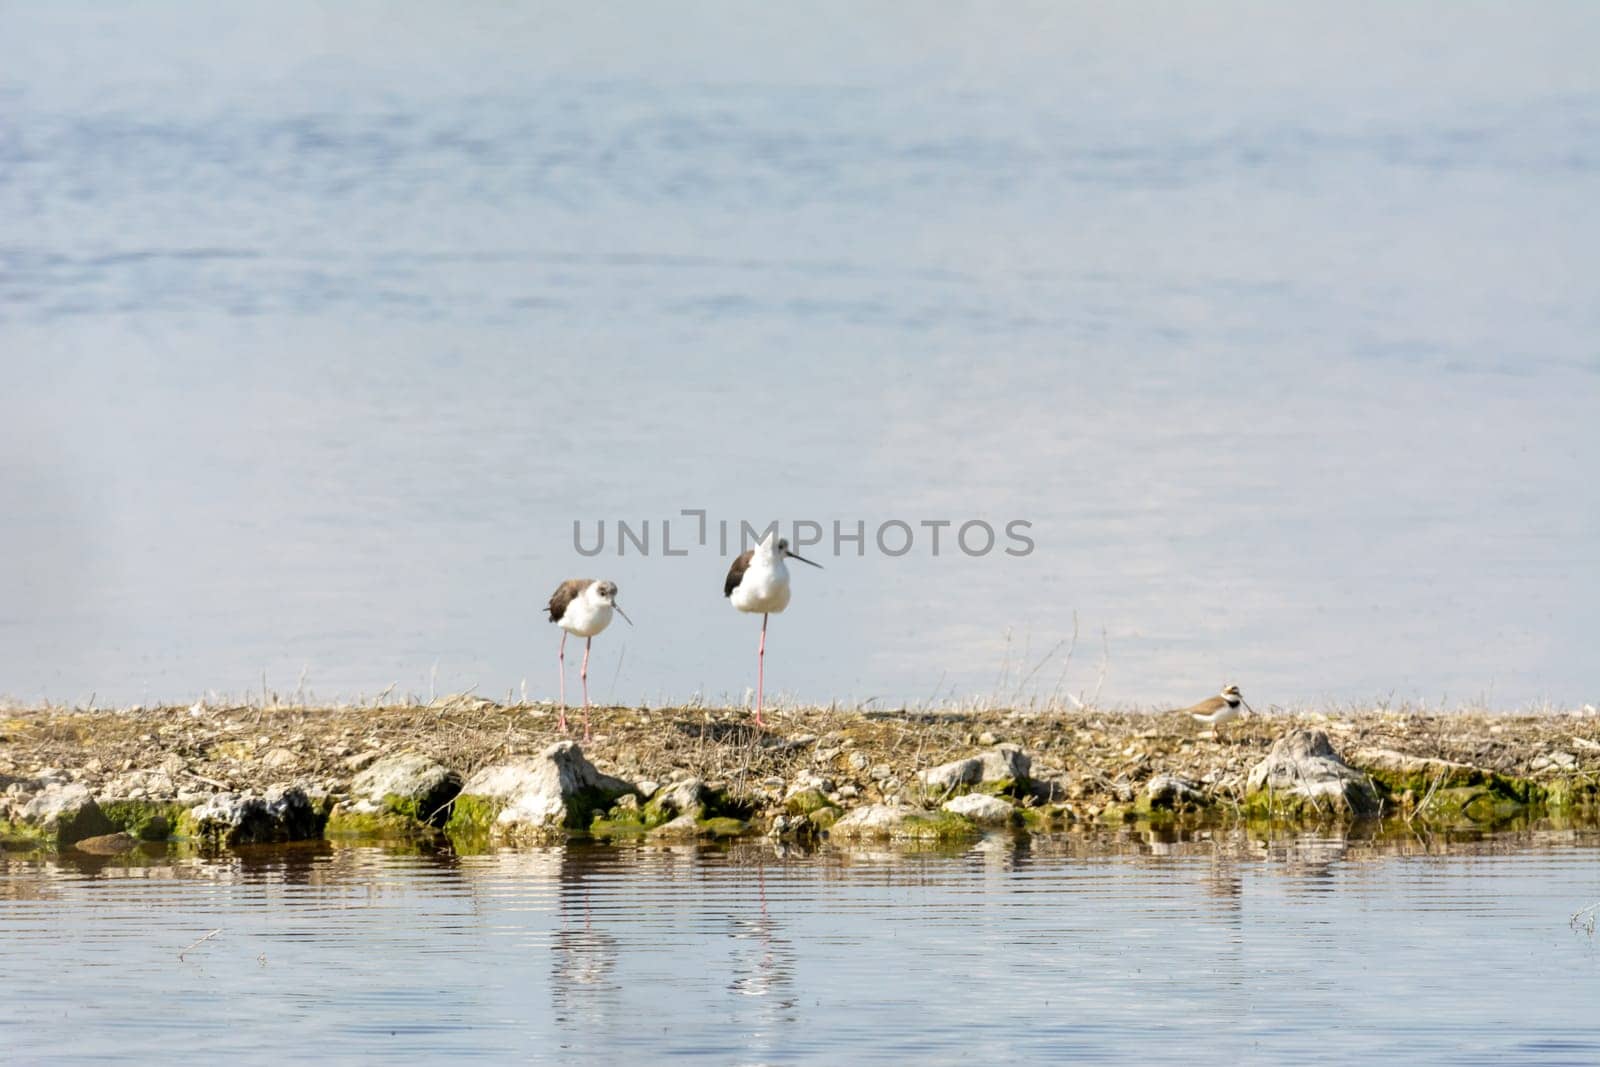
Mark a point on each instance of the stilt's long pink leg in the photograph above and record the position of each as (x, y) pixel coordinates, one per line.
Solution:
(561, 663)
(761, 668)
(584, 674)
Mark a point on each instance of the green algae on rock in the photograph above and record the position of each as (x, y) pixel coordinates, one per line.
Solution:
(148, 820)
(59, 815)
(1302, 776)
(1090, 768)
(900, 823)
(535, 798)
(406, 794)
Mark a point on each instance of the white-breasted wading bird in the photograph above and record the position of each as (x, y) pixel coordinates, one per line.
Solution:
(758, 582)
(1224, 707)
(583, 607)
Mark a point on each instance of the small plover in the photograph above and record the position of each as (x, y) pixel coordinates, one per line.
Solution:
(1224, 707)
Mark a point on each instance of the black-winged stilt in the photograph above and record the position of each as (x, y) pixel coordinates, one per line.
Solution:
(581, 606)
(759, 582)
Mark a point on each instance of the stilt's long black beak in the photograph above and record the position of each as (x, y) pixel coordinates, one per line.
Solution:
(802, 559)
(624, 614)
(1247, 706)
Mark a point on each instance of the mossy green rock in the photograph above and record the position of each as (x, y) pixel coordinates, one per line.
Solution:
(896, 823)
(408, 785)
(818, 811)
(693, 798)
(722, 826)
(347, 821)
(805, 802)
(148, 820)
(537, 798)
(1302, 777)
(1437, 790)
(824, 818)
(685, 827)
(1571, 794)
(674, 801)
(938, 826)
(59, 815)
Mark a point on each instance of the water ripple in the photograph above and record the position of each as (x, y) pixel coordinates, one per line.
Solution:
(1041, 950)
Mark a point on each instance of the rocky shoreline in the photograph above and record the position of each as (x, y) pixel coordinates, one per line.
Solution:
(471, 774)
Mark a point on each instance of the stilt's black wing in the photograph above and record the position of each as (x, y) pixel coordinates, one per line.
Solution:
(565, 593)
(736, 572)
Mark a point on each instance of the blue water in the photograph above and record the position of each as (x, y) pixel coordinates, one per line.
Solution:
(1126, 949)
(319, 328)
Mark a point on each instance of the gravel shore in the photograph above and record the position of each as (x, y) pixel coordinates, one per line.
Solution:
(1080, 766)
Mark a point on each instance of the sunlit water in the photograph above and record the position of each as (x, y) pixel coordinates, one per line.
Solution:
(1128, 949)
(1277, 323)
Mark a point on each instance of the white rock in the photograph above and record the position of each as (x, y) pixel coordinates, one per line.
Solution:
(872, 820)
(1174, 791)
(406, 780)
(982, 809)
(948, 776)
(1388, 760)
(1304, 764)
(279, 758)
(535, 795)
(143, 783)
(67, 813)
(683, 827)
(1001, 763)
(808, 780)
(686, 797)
(282, 813)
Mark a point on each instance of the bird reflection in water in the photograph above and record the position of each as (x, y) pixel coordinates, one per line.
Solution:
(583, 957)
(763, 961)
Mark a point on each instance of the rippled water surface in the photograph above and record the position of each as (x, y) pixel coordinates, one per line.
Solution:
(1277, 322)
(1122, 947)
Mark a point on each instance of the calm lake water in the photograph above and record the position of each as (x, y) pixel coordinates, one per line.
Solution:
(1278, 324)
(1122, 948)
